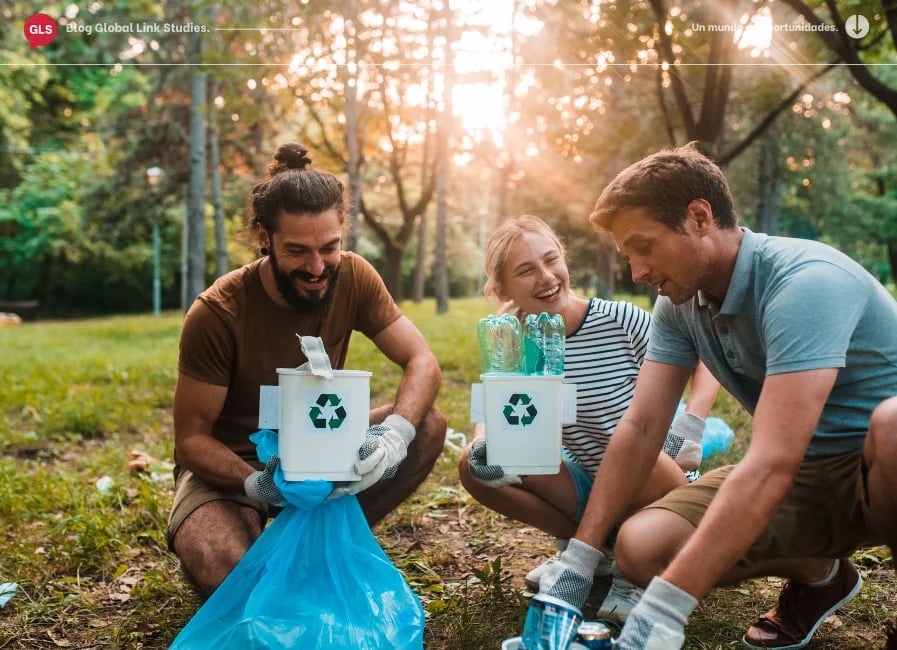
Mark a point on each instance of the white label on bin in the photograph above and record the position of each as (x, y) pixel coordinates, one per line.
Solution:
(269, 407)
(568, 414)
(477, 411)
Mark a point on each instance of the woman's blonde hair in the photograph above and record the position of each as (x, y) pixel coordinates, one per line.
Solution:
(500, 243)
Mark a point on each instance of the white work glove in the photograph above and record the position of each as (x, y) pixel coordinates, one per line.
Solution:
(658, 621)
(555, 612)
(491, 475)
(384, 448)
(260, 484)
(570, 577)
(683, 443)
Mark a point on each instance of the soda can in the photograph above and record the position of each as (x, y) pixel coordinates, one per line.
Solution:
(594, 636)
(550, 623)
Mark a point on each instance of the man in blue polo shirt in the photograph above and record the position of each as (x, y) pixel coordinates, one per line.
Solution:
(806, 340)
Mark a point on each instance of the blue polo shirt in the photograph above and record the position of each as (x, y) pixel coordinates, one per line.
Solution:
(792, 305)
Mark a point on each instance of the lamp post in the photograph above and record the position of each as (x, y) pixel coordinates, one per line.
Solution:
(153, 176)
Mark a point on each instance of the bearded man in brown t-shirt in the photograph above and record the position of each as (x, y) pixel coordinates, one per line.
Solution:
(240, 330)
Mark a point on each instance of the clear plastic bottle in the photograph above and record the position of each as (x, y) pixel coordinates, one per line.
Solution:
(544, 338)
(500, 339)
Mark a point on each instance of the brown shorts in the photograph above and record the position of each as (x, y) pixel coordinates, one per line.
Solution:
(826, 513)
(191, 492)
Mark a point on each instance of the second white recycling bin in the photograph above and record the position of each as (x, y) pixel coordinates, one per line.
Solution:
(523, 416)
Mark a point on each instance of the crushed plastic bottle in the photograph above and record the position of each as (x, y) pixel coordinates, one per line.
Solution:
(544, 339)
(500, 341)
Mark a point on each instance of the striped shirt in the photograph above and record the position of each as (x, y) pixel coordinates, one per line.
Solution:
(603, 358)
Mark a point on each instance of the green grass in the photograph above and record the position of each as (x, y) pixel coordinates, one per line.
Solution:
(93, 568)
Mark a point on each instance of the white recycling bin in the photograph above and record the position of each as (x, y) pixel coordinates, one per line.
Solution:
(322, 423)
(523, 417)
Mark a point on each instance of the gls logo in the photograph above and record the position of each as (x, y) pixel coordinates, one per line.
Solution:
(40, 29)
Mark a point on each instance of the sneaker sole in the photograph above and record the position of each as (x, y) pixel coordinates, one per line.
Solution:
(806, 640)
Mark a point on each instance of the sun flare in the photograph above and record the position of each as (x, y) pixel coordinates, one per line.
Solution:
(482, 60)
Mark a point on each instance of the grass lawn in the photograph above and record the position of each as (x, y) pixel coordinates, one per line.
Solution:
(85, 489)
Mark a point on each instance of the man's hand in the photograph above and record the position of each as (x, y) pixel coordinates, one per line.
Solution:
(556, 611)
(658, 621)
(260, 484)
(683, 443)
(384, 448)
(570, 578)
(492, 475)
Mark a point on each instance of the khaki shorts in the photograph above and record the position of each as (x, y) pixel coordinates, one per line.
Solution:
(191, 492)
(826, 513)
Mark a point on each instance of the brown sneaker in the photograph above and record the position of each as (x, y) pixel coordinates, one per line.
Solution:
(801, 609)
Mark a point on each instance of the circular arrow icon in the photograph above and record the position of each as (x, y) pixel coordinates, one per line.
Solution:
(856, 26)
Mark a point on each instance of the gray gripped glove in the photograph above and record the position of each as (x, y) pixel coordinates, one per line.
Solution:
(490, 475)
(384, 448)
(260, 484)
(658, 621)
(683, 443)
(570, 577)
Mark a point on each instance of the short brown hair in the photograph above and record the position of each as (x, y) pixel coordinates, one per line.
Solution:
(665, 183)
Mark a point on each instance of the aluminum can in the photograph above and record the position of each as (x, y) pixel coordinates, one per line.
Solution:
(594, 636)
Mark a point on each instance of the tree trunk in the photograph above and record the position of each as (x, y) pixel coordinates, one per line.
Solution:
(440, 271)
(195, 251)
(892, 258)
(393, 277)
(420, 266)
(353, 163)
(221, 259)
(769, 202)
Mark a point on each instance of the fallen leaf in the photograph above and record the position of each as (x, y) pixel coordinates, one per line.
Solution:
(57, 641)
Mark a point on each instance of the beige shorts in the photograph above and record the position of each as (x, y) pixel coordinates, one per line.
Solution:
(826, 513)
(191, 492)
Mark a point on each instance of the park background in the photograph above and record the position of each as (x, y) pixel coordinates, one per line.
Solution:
(125, 161)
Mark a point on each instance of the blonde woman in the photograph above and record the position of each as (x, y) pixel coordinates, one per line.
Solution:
(526, 270)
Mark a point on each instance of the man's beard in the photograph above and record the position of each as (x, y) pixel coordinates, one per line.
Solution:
(306, 306)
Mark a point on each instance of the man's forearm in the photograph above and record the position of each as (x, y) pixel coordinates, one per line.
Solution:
(418, 388)
(626, 465)
(213, 462)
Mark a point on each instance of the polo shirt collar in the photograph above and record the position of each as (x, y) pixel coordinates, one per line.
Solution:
(741, 277)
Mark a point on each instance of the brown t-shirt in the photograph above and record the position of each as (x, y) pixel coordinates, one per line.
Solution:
(235, 335)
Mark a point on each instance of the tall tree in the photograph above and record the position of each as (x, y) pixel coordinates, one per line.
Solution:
(195, 257)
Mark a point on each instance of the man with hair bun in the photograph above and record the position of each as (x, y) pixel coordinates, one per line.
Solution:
(803, 337)
(242, 328)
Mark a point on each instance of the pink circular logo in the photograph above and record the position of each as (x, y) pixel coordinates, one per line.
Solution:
(40, 30)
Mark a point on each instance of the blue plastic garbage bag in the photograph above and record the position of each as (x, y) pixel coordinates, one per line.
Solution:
(316, 578)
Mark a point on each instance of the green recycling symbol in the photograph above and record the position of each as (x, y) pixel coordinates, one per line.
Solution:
(328, 412)
(520, 410)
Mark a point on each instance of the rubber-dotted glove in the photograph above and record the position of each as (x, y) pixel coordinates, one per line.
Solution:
(570, 578)
(260, 484)
(683, 443)
(658, 621)
(384, 448)
(492, 475)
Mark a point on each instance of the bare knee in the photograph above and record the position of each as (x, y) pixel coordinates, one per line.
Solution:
(213, 539)
(884, 417)
(647, 543)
